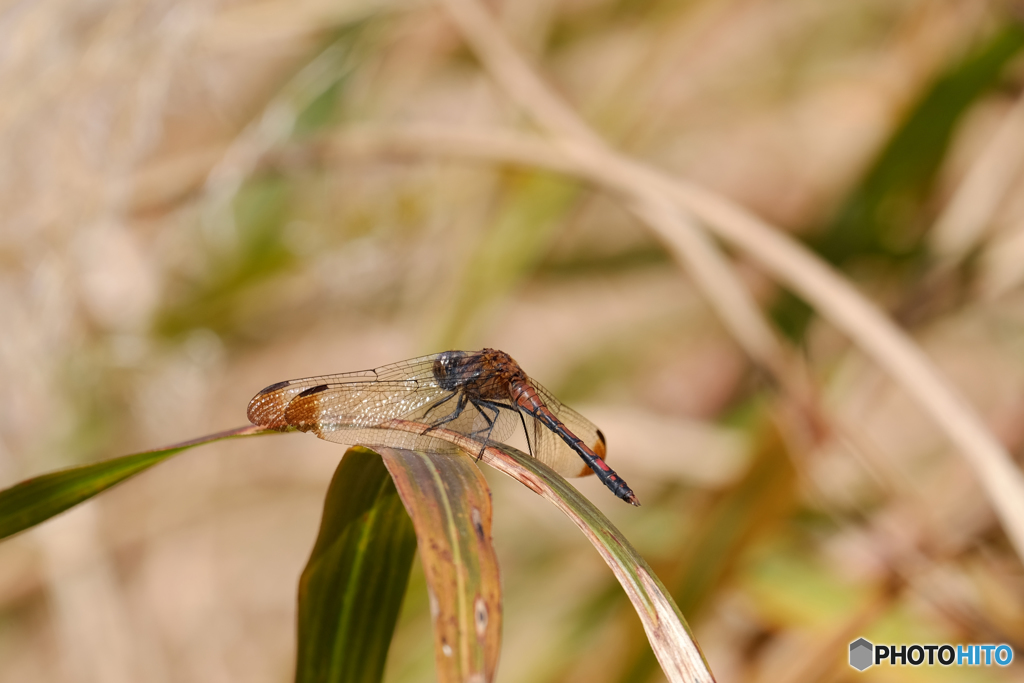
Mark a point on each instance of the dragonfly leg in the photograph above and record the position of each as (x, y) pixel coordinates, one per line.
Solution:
(526, 432)
(480, 404)
(460, 406)
(437, 403)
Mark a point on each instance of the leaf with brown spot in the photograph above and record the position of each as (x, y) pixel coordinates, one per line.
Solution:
(450, 505)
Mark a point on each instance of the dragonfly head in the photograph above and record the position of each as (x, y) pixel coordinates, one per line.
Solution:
(449, 369)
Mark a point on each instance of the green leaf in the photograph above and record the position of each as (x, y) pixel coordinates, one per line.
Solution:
(450, 505)
(352, 587)
(36, 500)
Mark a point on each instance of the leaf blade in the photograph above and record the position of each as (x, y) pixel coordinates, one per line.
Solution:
(36, 500)
(450, 505)
(351, 590)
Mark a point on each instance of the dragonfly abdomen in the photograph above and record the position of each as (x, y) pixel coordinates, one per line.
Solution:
(526, 398)
(606, 474)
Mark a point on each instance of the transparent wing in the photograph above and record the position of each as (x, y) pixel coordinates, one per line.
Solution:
(365, 398)
(551, 449)
(393, 438)
(354, 407)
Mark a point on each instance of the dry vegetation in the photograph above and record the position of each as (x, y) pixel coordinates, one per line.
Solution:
(200, 199)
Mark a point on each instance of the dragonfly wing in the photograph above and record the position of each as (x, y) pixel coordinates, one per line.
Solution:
(327, 407)
(355, 407)
(410, 383)
(551, 449)
(336, 416)
(392, 438)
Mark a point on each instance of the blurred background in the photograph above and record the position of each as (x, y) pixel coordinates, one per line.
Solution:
(179, 231)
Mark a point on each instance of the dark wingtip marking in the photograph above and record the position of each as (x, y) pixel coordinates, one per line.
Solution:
(313, 390)
(274, 387)
(600, 436)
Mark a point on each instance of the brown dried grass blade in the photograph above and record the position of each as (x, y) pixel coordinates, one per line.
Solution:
(450, 505)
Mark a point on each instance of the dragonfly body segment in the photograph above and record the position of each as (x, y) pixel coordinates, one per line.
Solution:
(482, 394)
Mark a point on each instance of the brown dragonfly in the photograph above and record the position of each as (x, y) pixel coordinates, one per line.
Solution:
(484, 395)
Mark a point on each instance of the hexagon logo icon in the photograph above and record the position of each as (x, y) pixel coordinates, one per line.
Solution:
(861, 654)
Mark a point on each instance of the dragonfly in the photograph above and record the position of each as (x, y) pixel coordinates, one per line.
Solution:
(484, 395)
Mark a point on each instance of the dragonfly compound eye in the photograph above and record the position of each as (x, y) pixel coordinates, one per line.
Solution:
(447, 369)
